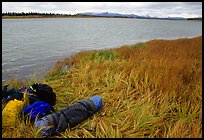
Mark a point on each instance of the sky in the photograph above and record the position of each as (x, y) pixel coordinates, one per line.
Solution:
(158, 9)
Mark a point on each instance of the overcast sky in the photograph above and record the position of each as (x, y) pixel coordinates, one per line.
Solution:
(159, 9)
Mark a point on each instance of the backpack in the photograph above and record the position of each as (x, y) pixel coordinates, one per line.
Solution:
(42, 92)
(10, 94)
(10, 113)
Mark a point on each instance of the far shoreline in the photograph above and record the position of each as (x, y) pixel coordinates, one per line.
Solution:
(37, 16)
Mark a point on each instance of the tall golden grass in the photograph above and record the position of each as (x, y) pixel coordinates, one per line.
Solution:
(149, 90)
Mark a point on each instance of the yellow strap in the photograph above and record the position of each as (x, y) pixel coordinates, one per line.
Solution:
(32, 88)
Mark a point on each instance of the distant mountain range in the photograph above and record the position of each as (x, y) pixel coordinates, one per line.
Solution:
(108, 14)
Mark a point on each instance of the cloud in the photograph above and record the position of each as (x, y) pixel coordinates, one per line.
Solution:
(160, 9)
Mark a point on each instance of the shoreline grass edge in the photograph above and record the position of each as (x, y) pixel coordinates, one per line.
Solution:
(150, 89)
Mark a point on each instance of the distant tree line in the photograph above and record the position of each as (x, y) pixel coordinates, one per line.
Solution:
(32, 13)
(199, 18)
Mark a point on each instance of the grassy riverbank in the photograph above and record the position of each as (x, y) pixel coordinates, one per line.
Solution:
(151, 89)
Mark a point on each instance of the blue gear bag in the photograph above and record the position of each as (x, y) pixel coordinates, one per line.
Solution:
(39, 108)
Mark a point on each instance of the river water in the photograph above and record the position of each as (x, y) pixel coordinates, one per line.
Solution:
(31, 46)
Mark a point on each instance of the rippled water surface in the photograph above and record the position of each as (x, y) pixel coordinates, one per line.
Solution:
(31, 46)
